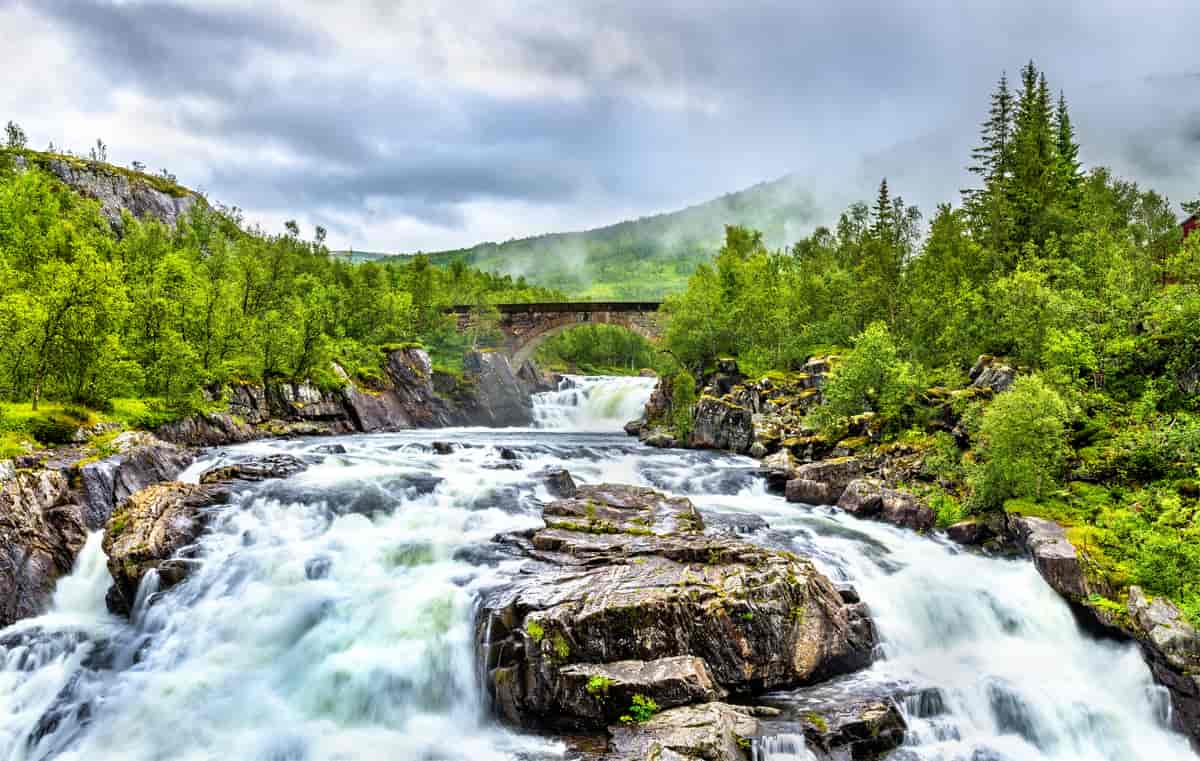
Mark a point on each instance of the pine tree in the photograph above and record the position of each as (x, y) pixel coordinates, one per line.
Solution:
(881, 224)
(1067, 151)
(988, 206)
(1035, 161)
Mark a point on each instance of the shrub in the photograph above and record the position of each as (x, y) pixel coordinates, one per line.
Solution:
(683, 398)
(872, 379)
(1022, 444)
(642, 710)
(54, 428)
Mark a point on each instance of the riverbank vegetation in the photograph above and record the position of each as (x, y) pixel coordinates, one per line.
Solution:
(91, 313)
(1081, 281)
(599, 349)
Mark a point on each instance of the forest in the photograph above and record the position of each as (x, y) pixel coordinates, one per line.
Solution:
(1082, 281)
(137, 320)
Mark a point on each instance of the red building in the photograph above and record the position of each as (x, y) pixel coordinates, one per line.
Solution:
(1191, 224)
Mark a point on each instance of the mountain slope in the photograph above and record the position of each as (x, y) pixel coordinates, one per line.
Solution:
(648, 257)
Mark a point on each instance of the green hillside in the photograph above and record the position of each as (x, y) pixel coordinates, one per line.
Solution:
(648, 257)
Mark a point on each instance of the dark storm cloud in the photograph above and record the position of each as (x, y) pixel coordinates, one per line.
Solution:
(169, 48)
(416, 109)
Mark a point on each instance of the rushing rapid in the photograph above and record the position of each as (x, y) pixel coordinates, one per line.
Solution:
(331, 615)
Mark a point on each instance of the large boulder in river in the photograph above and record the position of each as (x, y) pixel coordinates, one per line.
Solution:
(719, 423)
(260, 469)
(148, 533)
(624, 594)
(867, 498)
(41, 532)
(1056, 559)
(827, 479)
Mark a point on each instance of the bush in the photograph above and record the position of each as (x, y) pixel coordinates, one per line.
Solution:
(1022, 445)
(683, 399)
(872, 379)
(55, 428)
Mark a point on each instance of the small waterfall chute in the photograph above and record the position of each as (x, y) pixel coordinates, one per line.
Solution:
(592, 403)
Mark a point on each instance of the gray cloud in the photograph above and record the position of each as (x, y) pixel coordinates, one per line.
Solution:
(406, 125)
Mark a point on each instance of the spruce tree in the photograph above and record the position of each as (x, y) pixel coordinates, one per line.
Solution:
(1067, 151)
(988, 206)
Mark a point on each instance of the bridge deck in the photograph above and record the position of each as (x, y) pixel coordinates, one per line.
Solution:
(552, 307)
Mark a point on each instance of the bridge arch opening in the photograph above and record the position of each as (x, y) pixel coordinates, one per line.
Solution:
(529, 348)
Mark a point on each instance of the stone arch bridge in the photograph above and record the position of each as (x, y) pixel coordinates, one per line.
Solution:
(526, 326)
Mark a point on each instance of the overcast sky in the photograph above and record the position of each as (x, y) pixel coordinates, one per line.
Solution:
(419, 125)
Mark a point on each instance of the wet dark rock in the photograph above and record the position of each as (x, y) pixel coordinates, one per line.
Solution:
(735, 523)
(42, 530)
(501, 465)
(1055, 557)
(330, 449)
(719, 423)
(318, 567)
(625, 574)
(1171, 646)
(634, 427)
(499, 399)
(866, 498)
(260, 469)
(207, 430)
(706, 732)
(142, 459)
(508, 454)
(829, 478)
(558, 482)
(970, 531)
(442, 447)
(150, 528)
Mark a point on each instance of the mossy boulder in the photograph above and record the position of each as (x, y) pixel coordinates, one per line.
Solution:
(624, 575)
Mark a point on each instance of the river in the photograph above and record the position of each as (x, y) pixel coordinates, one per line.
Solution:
(331, 615)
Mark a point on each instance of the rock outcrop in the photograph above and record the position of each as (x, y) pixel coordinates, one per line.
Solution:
(707, 732)
(867, 498)
(991, 373)
(120, 190)
(149, 532)
(822, 482)
(154, 530)
(625, 595)
(142, 459)
(42, 530)
(720, 423)
(410, 395)
(499, 398)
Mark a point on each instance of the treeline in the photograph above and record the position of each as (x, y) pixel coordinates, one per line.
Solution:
(1081, 281)
(599, 349)
(89, 313)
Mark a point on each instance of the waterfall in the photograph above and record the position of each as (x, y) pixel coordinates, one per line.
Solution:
(592, 403)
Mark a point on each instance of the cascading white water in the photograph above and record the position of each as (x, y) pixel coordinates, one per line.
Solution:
(331, 617)
(592, 403)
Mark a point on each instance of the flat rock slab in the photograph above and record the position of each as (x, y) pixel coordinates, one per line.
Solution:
(627, 574)
(708, 732)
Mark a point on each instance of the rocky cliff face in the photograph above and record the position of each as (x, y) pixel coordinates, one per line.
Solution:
(47, 508)
(412, 395)
(118, 189)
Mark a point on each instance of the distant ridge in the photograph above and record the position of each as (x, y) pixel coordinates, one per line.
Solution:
(649, 257)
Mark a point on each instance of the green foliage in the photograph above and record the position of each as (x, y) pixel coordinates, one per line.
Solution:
(641, 710)
(157, 313)
(598, 686)
(683, 398)
(1022, 444)
(872, 378)
(599, 349)
(535, 630)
